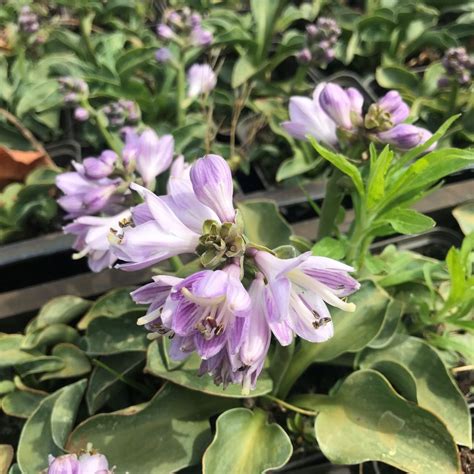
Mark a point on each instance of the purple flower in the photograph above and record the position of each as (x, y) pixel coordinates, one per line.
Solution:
(357, 103)
(93, 238)
(94, 464)
(308, 118)
(156, 239)
(163, 55)
(179, 169)
(298, 292)
(405, 136)
(388, 111)
(101, 167)
(152, 154)
(65, 464)
(83, 196)
(28, 20)
(81, 114)
(164, 31)
(304, 56)
(72, 89)
(212, 183)
(201, 37)
(201, 79)
(337, 104)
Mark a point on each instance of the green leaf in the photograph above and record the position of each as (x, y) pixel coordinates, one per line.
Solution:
(408, 221)
(342, 163)
(243, 70)
(112, 304)
(329, 247)
(49, 335)
(21, 403)
(295, 166)
(10, 350)
(103, 385)
(76, 363)
(265, 14)
(46, 430)
(6, 386)
(132, 59)
(352, 331)
(238, 432)
(263, 223)
(465, 216)
(435, 389)
(175, 422)
(186, 375)
(6, 457)
(62, 309)
(399, 78)
(376, 182)
(38, 96)
(367, 420)
(39, 365)
(107, 336)
(391, 321)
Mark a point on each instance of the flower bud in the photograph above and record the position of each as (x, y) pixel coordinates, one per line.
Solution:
(201, 79)
(336, 103)
(304, 56)
(405, 136)
(66, 464)
(163, 55)
(164, 31)
(81, 114)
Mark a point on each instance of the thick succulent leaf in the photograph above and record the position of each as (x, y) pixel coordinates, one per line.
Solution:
(10, 350)
(39, 365)
(186, 375)
(107, 336)
(21, 403)
(62, 309)
(435, 390)
(76, 363)
(103, 384)
(6, 457)
(112, 304)
(367, 420)
(352, 331)
(166, 434)
(49, 335)
(245, 442)
(388, 330)
(263, 224)
(49, 423)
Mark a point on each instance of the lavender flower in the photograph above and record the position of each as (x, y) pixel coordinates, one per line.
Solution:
(298, 292)
(28, 20)
(73, 89)
(84, 196)
(81, 114)
(337, 104)
(320, 41)
(101, 167)
(387, 112)
(93, 238)
(163, 55)
(164, 31)
(151, 154)
(201, 79)
(123, 112)
(88, 463)
(307, 117)
(406, 136)
(458, 65)
(201, 37)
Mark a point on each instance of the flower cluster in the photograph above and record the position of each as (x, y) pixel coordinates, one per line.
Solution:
(89, 462)
(183, 27)
(100, 185)
(320, 41)
(212, 312)
(458, 65)
(73, 89)
(122, 113)
(28, 20)
(335, 115)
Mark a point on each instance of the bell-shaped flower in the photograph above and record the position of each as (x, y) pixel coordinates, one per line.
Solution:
(156, 239)
(212, 183)
(94, 463)
(201, 79)
(406, 136)
(336, 103)
(83, 196)
(307, 117)
(298, 292)
(101, 167)
(152, 154)
(93, 238)
(387, 112)
(65, 464)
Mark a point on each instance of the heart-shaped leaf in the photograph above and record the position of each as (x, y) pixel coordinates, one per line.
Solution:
(76, 363)
(246, 443)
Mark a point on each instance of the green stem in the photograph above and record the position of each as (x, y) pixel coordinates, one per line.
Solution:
(108, 137)
(137, 386)
(452, 98)
(180, 90)
(176, 263)
(330, 208)
(289, 406)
